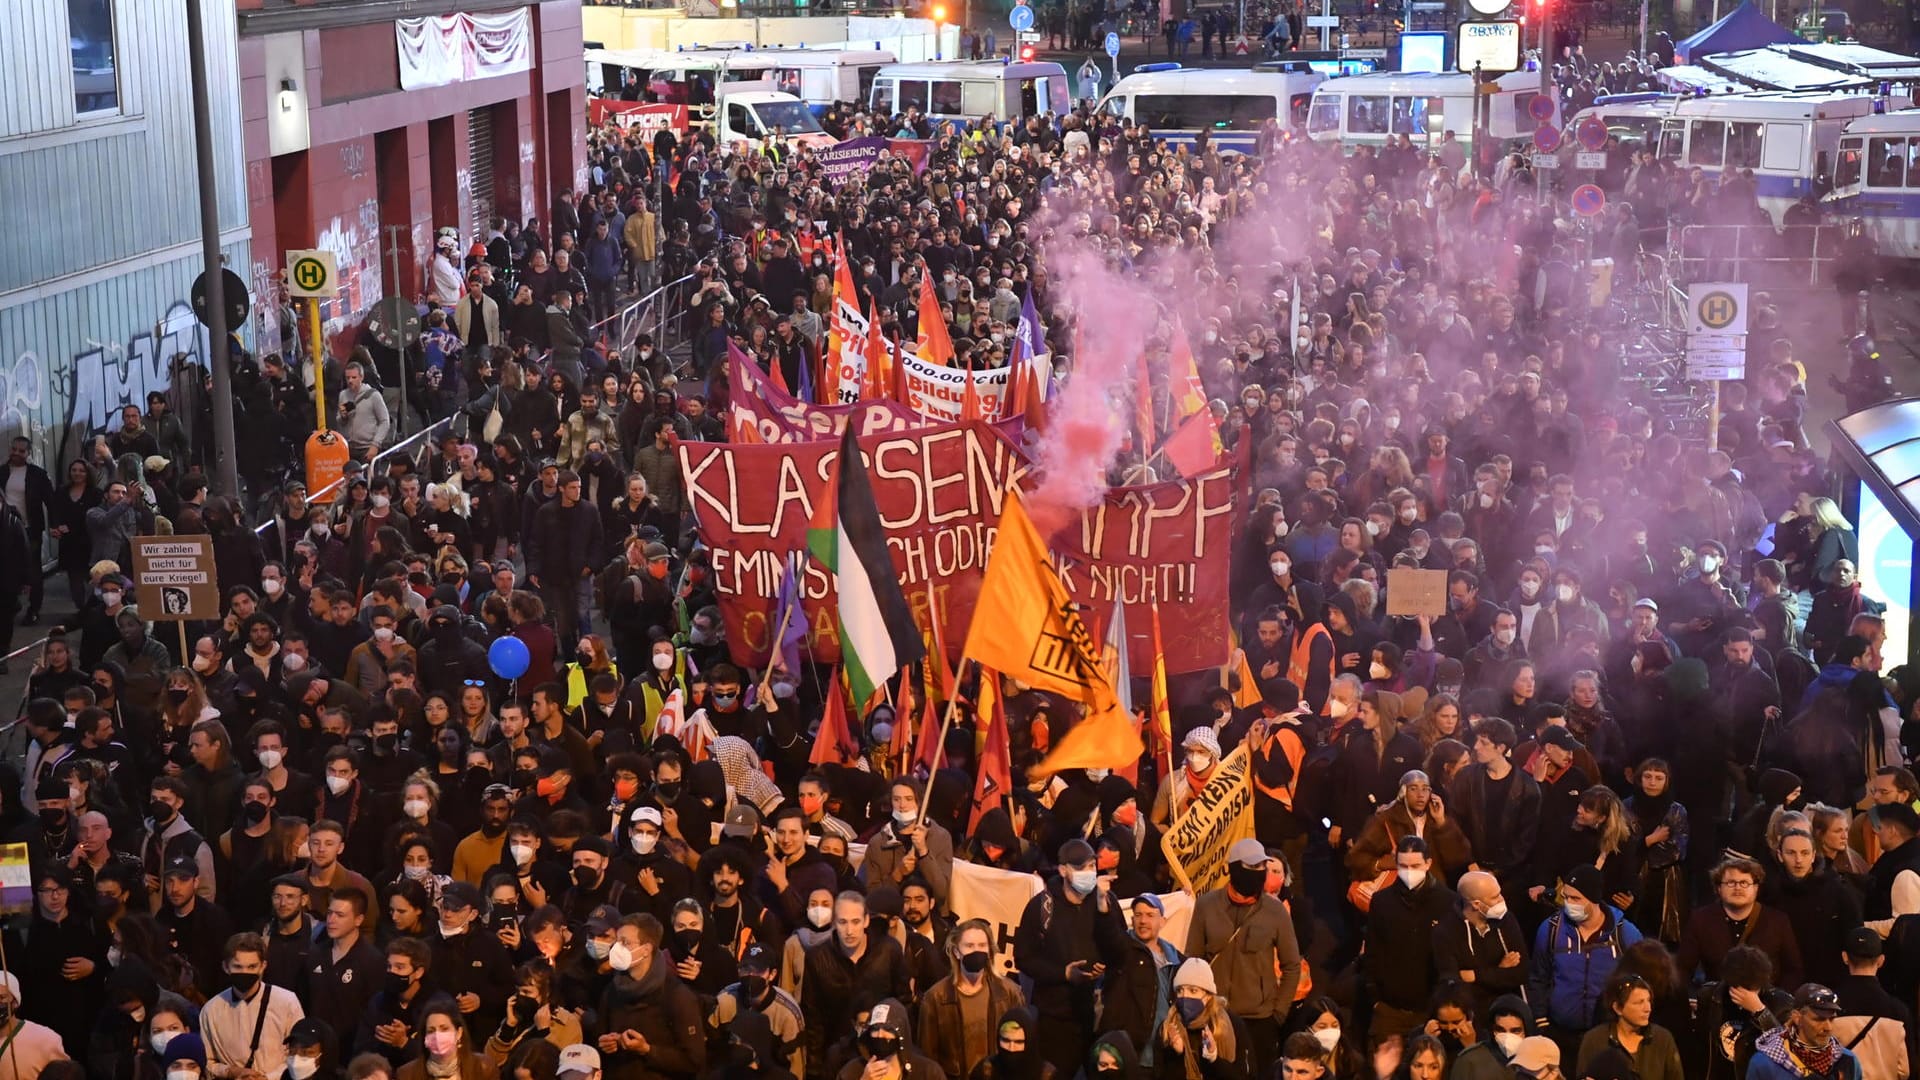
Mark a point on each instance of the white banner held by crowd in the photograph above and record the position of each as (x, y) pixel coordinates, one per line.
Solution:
(1000, 897)
(938, 392)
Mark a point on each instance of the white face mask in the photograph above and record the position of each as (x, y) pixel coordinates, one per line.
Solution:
(1709, 563)
(1408, 515)
(1413, 879)
(113, 956)
(1576, 911)
(1543, 549)
(1508, 1042)
(300, 1068)
(205, 664)
(820, 915)
(76, 796)
(159, 1040)
(417, 873)
(1373, 528)
(620, 957)
(1378, 672)
(1328, 1037)
(447, 930)
(1529, 588)
(1199, 761)
(662, 661)
(383, 634)
(643, 842)
(1279, 567)
(1504, 637)
(1338, 709)
(414, 808)
(338, 784)
(270, 759)
(272, 587)
(522, 854)
(1564, 593)
(293, 661)
(1486, 500)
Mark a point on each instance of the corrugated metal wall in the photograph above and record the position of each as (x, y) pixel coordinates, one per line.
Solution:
(123, 187)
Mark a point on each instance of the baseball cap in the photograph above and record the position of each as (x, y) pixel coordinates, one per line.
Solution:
(742, 820)
(758, 958)
(1247, 852)
(648, 814)
(1554, 735)
(460, 894)
(182, 866)
(602, 919)
(1152, 900)
(1535, 1054)
(889, 1016)
(657, 550)
(1647, 602)
(579, 1059)
(1862, 943)
(1817, 999)
(155, 463)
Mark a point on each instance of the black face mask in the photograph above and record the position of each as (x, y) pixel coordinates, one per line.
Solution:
(53, 819)
(684, 942)
(396, 985)
(586, 877)
(754, 986)
(1247, 880)
(160, 812)
(479, 776)
(177, 696)
(974, 963)
(880, 1046)
(385, 744)
(522, 778)
(668, 790)
(254, 812)
(243, 982)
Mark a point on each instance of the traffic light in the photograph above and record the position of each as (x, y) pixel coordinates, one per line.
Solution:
(1027, 53)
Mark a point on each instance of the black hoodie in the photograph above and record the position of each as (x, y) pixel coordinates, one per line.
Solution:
(1484, 1060)
(750, 1053)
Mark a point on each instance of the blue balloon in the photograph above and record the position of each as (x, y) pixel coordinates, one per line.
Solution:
(508, 657)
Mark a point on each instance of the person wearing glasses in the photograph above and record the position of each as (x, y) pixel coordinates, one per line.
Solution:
(62, 955)
(1738, 918)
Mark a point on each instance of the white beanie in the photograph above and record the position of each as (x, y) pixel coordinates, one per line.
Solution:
(1195, 972)
(12, 982)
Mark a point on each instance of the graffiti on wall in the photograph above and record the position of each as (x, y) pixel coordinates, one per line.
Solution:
(63, 403)
(355, 243)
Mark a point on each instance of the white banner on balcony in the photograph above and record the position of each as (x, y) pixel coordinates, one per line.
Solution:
(441, 49)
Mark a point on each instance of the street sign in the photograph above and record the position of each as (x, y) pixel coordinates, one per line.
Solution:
(176, 577)
(1021, 17)
(312, 275)
(1540, 108)
(1113, 44)
(1492, 47)
(1717, 307)
(1592, 133)
(1331, 22)
(1363, 54)
(1716, 343)
(233, 292)
(1545, 161)
(1546, 138)
(1716, 369)
(395, 322)
(1588, 200)
(1589, 159)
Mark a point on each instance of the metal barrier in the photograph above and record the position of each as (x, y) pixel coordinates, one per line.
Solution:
(403, 444)
(661, 313)
(1759, 254)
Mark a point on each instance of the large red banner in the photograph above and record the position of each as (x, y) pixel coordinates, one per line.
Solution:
(940, 491)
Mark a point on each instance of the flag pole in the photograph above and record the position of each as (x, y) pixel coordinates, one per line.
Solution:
(773, 645)
(946, 725)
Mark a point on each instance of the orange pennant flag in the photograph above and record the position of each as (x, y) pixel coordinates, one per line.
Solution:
(877, 382)
(778, 377)
(834, 744)
(935, 344)
(1162, 717)
(995, 780)
(1247, 694)
(970, 399)
(1183, 377)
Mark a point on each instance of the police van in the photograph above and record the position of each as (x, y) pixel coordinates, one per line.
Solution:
(1177, 104)
(730, 91)
(971, 90)
(1367, 110)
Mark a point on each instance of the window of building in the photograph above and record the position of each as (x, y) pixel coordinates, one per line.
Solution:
(96, 72)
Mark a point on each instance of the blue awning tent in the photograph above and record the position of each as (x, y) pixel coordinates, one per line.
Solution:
(1745, 27)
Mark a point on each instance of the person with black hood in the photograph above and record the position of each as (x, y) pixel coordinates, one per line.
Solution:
(469, 963)
(1112, 1057)
(449, 661)
(1054, 946)
(1508, 1021)
(1820, 905)
(1014, 1056)
(1354, 636)
(751, 1053)
(883, 1038)
(652, 878)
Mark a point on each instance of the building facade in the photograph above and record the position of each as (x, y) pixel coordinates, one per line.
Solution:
(97, 167)
(371, 124)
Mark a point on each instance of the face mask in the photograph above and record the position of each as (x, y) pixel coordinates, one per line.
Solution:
(396, 985)
(820, 915)
(449, 930)
(293, 661)
(586, 877)
(1508, 1042)
(974, 963)
(1486, 500)
(159, 811)
(1576, 912)
(598, 949)
(182, 1074)
(440, 1043)
(1190, 1009)
(522, 854)
(113, 959)
(338, 784)
(725, 701)
(177, 696)
(1279, 567)
(620, 957)
(783, 691)
(53, 819)
(111, 599)
(1338, 709)
(662, 661)
(1564, 593)
(204, 664)
(414, 808)
(904, 819)
(417, 873)
(1373, 528)
(668, 790)
(1413, 879)
(243, 982)
(1709, 563)
(1083, 881)
(880, 1047)
(1497, 911)
(1328, 1037)
(271, 586)
(159, 1040)
(754, 986)
(1199, 761)
(383, 634)
(1504, 637)
(302, 1068)
(1378, 672)
(643, 842)
(270, 759)
(254, 813)
(1529, 587)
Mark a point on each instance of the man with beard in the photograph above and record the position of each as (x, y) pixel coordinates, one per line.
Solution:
(733, 919)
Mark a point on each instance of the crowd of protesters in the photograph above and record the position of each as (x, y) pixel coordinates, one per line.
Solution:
(1635, 805)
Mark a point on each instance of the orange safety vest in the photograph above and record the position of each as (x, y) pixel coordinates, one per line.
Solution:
(1302, 656)
(1295, 752)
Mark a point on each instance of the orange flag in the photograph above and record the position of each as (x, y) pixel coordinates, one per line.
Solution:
(1162, 716)
(1143, 407)
(970, 400)
(778, 377)
(901, 744)
(995, 779)
(877, 381)
(1183, 377)
(835, 742)
(744, 430)
(1027, 627)
(1247, 694)
(935, 345)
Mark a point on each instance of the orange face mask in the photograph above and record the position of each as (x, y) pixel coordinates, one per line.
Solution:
(1126, 815)
(1107, 860)
(1038, 731)
(625, 790)
(547, 786)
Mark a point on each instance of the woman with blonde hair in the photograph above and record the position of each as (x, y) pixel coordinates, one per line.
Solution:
(1200, 1039)
(1831, 826)
(1440, 719)
(1600, 838)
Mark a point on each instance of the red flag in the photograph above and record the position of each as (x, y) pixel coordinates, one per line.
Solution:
(1183, 377)
(996, 757)
(929, 738)
(901, 745)
(970, 400)
(935, 344)
(877, 381)
(1143, 408)
(938, 654)
(834, 743)
(1036, 405)
(778, 377)
(1194, 447)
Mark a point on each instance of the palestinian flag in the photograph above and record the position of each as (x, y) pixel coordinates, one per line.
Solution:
(877, 633)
